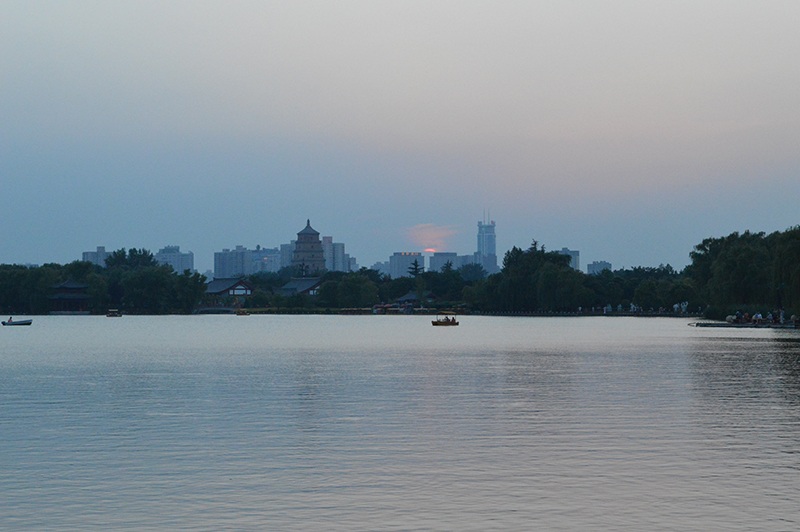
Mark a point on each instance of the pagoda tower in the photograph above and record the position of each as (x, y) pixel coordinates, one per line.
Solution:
(308, 255)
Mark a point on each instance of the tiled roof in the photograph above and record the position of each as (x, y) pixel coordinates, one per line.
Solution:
(300, 286)
(70, 284)
(217, 286)
(412, 296)
(308, 229)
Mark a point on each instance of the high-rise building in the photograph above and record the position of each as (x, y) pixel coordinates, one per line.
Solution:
(487, 247)
(382, 267)
(401, 261)
(287, 252)
(336, 260)
(239, 262)
(593, 268)
(308, 251)
(574, 257)
(440, 258)
(230, 263)
(96, 257)
(172, 255)
(264, 260)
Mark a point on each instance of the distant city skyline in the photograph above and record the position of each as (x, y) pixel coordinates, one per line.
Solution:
(240, 260)
(630, 131)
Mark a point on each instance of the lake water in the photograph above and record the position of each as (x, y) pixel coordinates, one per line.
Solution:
(386, 423)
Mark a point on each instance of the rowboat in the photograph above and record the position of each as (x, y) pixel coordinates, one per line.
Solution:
(18, 322)
(445, 319)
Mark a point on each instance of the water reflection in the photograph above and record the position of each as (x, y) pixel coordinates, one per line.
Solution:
(386, 424)
(746, 394)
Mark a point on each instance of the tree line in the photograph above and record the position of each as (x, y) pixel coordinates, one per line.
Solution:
(745, 272)
(131, 280)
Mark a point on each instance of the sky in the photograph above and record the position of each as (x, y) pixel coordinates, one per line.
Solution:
(627, 130)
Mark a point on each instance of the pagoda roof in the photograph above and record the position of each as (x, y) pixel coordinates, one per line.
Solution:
(308, 230)
(300, 285)
(412, 296)
(218, 286)
(70, 284)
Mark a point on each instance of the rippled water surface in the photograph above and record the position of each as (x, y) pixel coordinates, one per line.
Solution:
(386, 423)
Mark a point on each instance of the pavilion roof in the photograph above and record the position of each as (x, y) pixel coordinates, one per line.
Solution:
(308, 230)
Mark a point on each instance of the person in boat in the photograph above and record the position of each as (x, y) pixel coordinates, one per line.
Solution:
(9, 319)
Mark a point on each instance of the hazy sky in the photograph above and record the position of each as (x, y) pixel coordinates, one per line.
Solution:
(628, 130)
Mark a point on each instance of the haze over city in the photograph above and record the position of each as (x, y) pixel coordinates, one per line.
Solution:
(629, 131)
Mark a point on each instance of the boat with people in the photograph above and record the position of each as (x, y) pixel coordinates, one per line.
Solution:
(17, 322)
(445, 319)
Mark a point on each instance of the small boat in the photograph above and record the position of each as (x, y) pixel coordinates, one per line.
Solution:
(242, 312)
(114, 313)
(18, 322)
(445, 319)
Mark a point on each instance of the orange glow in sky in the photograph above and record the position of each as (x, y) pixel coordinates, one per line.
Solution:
(431, 250)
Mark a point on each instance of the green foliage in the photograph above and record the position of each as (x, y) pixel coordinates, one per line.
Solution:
(420, 289)
(533, 280)
(148, 290)
(269, 282)
(786, 269)
(391, 289)
(137, 286)
(472, 273)
(744, 271)
(328, 294)
(190, 288)
(357, 291)
(133, 259)
(415, 269)
(259, 299)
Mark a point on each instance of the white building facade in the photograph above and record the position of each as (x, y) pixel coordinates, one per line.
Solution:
(401, 261)
(172, 255)
(574, 257)
(593, 268)
(96, 257)
(240, 261)
(440, 258)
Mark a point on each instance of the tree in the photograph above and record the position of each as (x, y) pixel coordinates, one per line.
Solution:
(356, 291)
(328, 294)
(392, 289)
(148, 290)
(415, 269)
(190, 288)
(786, 268)
(419, 290)
(133, 259)
(117, 259)
(472, 273)
(512, 257)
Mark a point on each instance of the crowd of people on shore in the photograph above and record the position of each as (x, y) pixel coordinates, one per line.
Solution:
(777, 316)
